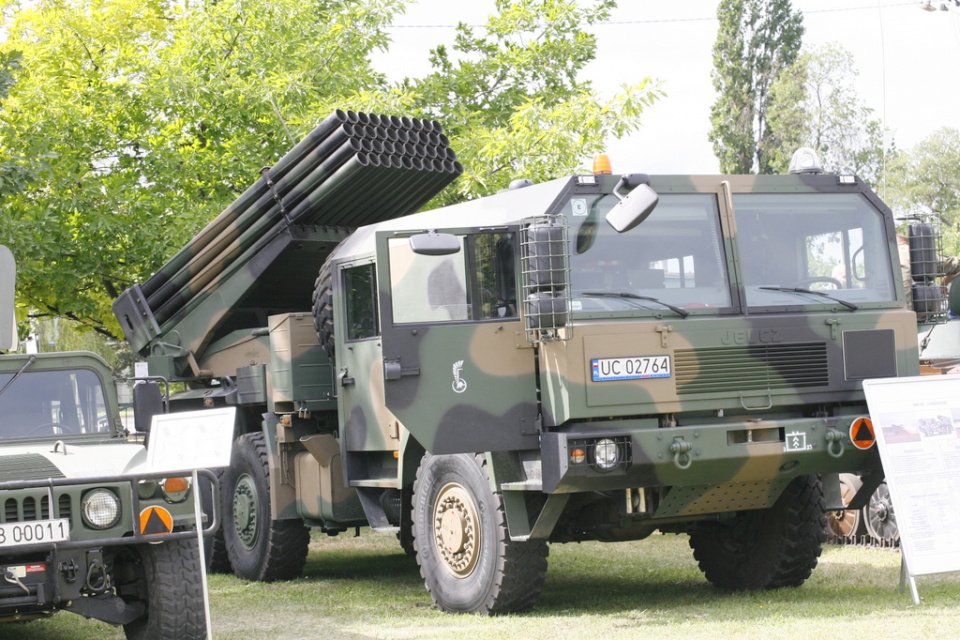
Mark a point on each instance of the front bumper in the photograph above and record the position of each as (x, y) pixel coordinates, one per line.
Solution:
(37, 578)
(762, 452)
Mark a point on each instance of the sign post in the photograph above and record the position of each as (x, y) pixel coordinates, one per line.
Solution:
(917, 425)
(186, 442)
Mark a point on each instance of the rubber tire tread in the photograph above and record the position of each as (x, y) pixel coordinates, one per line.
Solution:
(215, 549)
(766, 549)
(517, 569)
(170, 573)
(323, 307)
(282, 551)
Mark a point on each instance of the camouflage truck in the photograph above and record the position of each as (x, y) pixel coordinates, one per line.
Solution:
(597, 357)
(83, 527)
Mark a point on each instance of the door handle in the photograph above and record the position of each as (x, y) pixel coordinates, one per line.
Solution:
(344, 380)
(392, 370)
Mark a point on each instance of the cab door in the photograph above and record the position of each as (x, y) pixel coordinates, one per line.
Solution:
(457, 369)
(366, 426)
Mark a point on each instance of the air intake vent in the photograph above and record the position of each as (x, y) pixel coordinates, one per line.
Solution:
(756, 367)
(28, 466)
(26, 509)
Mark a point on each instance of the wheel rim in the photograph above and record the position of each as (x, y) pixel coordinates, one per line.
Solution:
(245, 512)
(881, 521)
(457, 530)
(844, 523)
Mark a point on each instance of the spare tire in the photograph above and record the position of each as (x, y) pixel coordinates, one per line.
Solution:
(323, 308)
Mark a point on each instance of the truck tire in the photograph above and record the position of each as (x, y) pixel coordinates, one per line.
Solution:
(259, 548)
(323, 308)
(168, 581)
(466, 558)
(766, 548)
(214, 546)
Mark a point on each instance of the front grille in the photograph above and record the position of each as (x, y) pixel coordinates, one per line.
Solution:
(26, 508)
(750, 368)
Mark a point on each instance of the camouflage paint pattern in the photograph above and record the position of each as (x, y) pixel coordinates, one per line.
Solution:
(353, 169)
(756, 394)
(739, 442)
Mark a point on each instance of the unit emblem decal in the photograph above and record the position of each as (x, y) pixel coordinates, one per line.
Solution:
(459, 384)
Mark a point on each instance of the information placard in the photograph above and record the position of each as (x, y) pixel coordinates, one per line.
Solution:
(917, 424)
(191, 440)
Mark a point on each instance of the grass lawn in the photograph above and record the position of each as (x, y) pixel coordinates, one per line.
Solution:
(366, 587)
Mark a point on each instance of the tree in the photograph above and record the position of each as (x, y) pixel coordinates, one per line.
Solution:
(153, 117)
(756, 41)
(814, 104)
(513, 100)
(926, 181)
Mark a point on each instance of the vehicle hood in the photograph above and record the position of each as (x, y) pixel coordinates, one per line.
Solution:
(41, 460)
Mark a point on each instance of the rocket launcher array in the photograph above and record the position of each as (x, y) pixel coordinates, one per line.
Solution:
(353, 169)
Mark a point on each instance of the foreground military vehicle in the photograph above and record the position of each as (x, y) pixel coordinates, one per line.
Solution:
(596, 357)
(83, 528)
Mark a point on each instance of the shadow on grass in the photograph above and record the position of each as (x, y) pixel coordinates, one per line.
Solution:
(618, 586)
(342, 565)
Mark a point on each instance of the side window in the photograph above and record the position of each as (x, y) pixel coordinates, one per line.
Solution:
(494, 266)
(360, 293)
(476, 283)
(427, 288)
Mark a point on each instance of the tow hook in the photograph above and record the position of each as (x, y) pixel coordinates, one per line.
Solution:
(834, 437)
(681, 453)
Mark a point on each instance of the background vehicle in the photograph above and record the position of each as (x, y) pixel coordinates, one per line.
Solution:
(84, 527)
(595, 357)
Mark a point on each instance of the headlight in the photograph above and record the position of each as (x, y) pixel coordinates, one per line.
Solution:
(101, 509)
(606, 455)
(175, 489)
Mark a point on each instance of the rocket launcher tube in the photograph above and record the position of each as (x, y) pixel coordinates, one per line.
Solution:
(233, 243)
(251, 195)
(180, 307)
(319, 164)
(359, 188)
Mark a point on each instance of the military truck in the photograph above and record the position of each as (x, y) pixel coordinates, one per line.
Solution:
(83, 527)
(597, 357)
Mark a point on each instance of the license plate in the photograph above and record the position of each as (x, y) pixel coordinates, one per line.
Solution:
(634, 368)
(14, 534)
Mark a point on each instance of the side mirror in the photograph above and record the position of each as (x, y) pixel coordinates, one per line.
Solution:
(434, 244)
(147, 402)
(633, 207)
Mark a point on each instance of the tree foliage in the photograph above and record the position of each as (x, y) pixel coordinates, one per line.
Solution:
(756, 41)
(130, 123)
(512, 97)
(925, 181)
(814, 104)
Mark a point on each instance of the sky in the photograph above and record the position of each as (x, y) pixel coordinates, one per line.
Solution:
(908, 61)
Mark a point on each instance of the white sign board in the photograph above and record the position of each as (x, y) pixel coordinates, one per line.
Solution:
(8, 316)
(191, 440)
(917, 423)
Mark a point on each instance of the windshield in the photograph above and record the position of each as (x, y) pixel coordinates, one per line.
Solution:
(52, 403)
(833, 244)
(673, 259)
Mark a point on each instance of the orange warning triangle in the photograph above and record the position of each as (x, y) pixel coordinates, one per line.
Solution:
(155, 520)
(862, 434)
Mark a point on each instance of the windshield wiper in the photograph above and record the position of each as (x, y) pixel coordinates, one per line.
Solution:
(17, 375)
(848, 305)
(632, 296)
